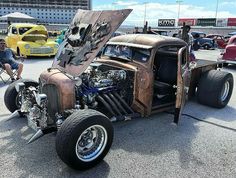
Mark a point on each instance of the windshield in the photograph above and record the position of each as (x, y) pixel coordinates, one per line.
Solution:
(127, 53)
(22, 30)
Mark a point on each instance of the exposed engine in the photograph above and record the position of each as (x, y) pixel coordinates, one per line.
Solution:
(93, 77)
(100, 83)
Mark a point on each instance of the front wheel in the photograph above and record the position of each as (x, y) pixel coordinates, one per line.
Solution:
(84, 139)
(12, 97)
(215, 88)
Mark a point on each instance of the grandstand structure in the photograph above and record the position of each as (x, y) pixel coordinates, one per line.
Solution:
(46, 11)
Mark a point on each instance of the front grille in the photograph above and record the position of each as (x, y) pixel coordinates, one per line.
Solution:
(53, 100)
(41, 50)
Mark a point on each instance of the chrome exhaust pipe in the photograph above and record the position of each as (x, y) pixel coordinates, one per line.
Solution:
(112, 104)
(117, 103)
(106, 105)
(123, 102)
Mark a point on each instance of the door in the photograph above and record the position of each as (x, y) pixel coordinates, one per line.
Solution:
(13, 38)
(183, 82)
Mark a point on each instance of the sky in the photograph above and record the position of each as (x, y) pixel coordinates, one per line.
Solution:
(168, 9)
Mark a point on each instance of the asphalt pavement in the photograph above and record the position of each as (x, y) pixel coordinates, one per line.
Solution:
(202, 145)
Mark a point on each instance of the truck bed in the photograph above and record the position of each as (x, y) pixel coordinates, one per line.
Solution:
(204, 63)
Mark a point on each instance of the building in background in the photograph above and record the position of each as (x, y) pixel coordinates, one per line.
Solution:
(46, 11)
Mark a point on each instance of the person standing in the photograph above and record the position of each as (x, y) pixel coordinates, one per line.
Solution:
(188, 38)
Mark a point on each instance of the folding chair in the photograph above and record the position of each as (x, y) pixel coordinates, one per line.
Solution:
(2, 72)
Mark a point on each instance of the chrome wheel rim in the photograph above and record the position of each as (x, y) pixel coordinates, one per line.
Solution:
(91, 143)
(225, 91)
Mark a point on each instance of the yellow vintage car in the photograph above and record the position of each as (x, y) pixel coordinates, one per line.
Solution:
(27, 39)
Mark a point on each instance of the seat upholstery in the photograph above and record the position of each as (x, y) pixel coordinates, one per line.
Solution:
(162, 88)
(166, 77)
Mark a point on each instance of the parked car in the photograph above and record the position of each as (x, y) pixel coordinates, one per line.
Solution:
(202, 41)
(30, 40)
(232, 33)
(137, 75)
(229, 54)
(118, 33)
(219, 39)
(53, 33)
(60, 37)
(160, 32)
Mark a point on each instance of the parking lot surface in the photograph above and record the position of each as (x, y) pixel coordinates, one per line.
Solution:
(202, 145)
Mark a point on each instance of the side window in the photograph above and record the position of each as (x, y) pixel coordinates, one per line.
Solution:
(14, 30)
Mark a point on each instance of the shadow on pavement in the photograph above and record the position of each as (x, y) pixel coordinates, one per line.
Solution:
(37, 159)
(157, 135)
(207, 112)
(154, 136)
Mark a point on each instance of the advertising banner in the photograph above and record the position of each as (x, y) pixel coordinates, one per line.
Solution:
(221, 22)
(206, 22)
(166, 22)
(231, 22)
(190, 22)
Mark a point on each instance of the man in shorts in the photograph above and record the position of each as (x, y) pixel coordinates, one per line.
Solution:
(8, 62)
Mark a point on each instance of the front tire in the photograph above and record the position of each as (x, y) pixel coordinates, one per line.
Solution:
(225, 64)
(215, 88)
(84, 139)
(11, 96)
(207, 47)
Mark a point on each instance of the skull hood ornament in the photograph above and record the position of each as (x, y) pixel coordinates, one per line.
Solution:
(88, 33)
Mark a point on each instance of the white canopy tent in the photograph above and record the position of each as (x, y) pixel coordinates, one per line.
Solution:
(17, 17)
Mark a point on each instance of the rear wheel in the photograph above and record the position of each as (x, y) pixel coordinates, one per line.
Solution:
(215, 88)
(206, 46)
(84, 139)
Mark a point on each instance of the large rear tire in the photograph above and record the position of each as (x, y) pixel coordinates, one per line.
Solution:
(215, 88)
(11, 96)
(84, 139)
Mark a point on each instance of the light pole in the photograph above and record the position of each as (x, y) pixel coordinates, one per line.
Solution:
(178, 1)
(145, 11)
(217, 3)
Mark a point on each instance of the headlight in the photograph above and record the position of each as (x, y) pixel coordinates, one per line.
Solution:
(56, 45)
(40, 98)
(27, 46)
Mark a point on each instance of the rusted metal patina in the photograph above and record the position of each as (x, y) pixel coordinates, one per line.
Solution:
(65, 86)
(89, 31)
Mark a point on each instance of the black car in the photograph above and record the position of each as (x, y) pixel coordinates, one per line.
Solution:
(200, 41)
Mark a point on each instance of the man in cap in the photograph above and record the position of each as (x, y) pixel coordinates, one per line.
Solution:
(8, 62)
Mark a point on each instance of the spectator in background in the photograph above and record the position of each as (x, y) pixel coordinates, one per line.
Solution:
(8, 62)
(188, 38)
(136, 30)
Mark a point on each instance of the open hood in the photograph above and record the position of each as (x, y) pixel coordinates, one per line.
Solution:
(87, 34)
(36, 33)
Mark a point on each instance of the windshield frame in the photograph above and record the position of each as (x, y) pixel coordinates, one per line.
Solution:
(128, 53)
(19, 30)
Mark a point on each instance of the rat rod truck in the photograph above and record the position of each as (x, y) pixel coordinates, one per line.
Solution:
(136, 75)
